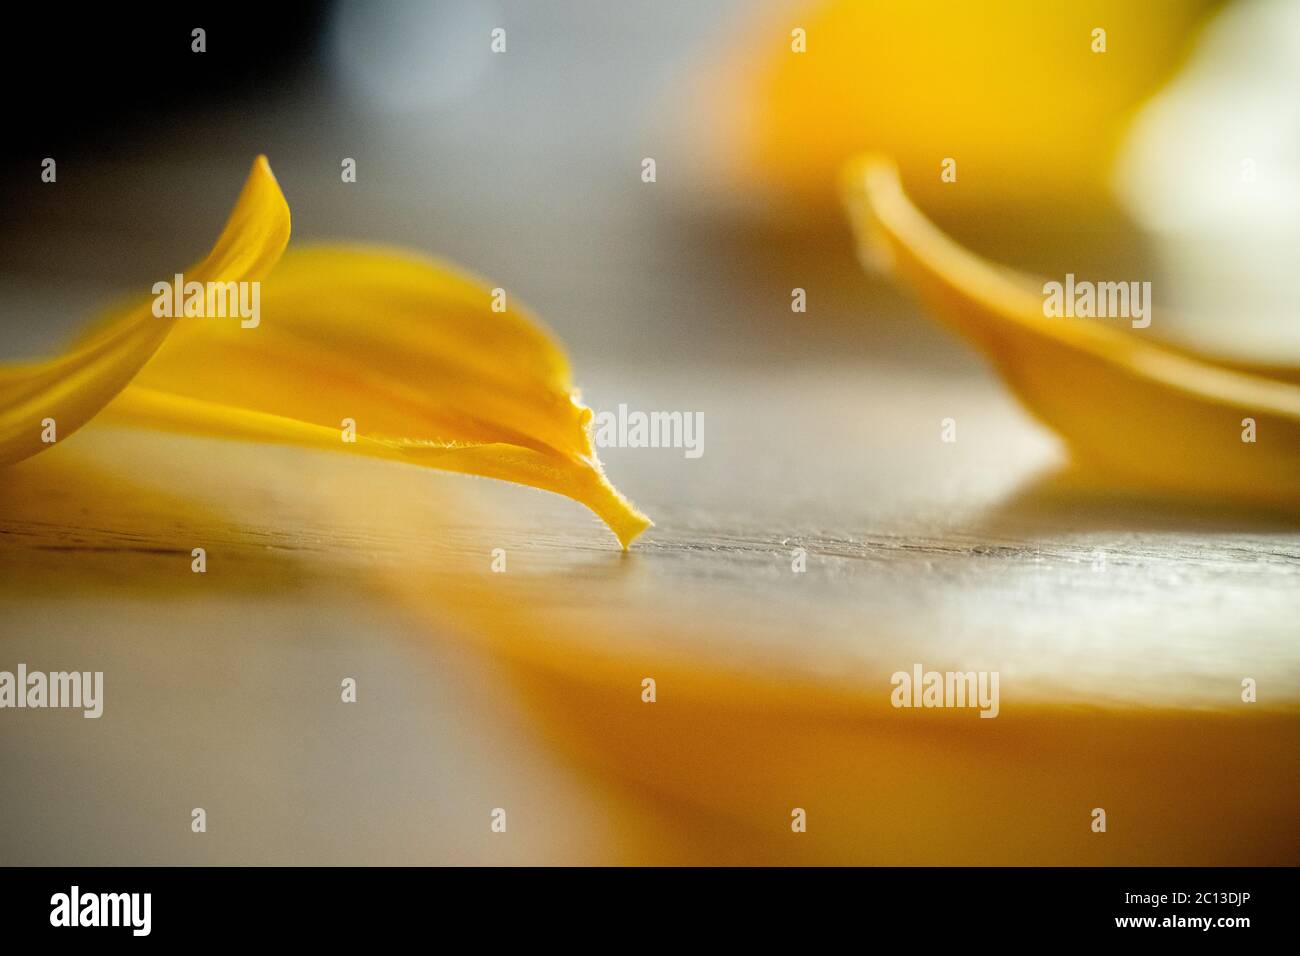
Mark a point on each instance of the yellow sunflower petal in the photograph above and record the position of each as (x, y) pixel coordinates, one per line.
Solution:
(1143, 412)
(408, 349)
(73, 388)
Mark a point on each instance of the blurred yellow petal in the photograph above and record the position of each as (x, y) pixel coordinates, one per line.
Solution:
(1143, 412)
(1016, 92)
(73, 388)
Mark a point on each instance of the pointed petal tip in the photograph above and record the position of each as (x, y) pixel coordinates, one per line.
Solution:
(630, 529)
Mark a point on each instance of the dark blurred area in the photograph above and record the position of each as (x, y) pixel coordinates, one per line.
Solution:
(74, 79)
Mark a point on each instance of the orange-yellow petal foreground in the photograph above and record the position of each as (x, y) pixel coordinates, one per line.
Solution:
(361, 350)
(1145, 413)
